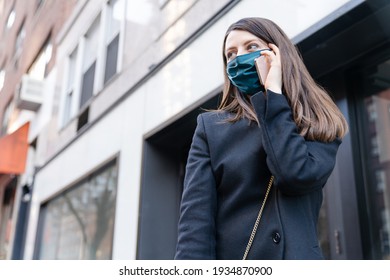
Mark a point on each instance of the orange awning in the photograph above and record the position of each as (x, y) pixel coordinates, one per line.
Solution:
(13, 151)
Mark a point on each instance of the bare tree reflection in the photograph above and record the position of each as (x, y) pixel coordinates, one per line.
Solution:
(83, 225)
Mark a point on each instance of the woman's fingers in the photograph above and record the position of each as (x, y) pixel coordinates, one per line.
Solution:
(273, 55)
(274, 77)
(275, 49)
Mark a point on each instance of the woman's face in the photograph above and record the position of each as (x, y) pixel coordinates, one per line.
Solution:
(239, 42)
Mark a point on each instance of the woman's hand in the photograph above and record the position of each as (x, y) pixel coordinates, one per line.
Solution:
(273, 81)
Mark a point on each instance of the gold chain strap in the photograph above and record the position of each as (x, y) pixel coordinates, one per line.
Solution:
(248, 247)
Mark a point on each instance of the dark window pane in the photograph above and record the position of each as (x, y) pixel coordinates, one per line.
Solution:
(83, 119)
(111, 59)
(87, 87)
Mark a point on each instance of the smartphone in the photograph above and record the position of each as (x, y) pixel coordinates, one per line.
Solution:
(262, 69)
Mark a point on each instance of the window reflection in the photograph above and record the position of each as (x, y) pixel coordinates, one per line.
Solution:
(156, 24)
(11, 18)
(377, 157)
(79, 223)
(2, 78)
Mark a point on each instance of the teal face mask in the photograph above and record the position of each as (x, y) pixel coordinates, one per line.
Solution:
(242, 73)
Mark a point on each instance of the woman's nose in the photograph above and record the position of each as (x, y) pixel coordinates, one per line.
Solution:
(241, 52)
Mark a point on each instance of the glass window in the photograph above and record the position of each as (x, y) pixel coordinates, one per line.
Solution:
(91, 43)
(87, 84)
(79, 223)
(89, 62)
(376, 156)
(71, 70)
(115, 16)
(38, 69)
(111, 59)
(67, 107)
(2, 78)
(18, 45)
(70, 85)
(19, 39)
(6, 118)
(11, 19)
(162, 24)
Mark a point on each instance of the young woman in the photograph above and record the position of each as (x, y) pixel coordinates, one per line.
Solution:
(257, 165)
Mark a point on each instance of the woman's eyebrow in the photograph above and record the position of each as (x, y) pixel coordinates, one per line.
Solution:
(228, 49)
(245, 43)
(251, 41)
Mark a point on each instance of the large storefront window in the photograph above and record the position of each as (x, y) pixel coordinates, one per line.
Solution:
(79, 223)
(376, 156)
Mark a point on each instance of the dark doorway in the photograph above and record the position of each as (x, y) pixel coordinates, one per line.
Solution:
(164, 159)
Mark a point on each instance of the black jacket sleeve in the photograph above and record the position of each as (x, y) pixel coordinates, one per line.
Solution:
(299, 166)
(196, 239)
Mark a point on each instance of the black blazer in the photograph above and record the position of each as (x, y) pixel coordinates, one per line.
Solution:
(227, 173)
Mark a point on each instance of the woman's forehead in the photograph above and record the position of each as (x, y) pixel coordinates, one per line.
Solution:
(235, 37)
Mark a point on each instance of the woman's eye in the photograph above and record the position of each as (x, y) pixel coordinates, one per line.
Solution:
(230, 55)
(253, 47)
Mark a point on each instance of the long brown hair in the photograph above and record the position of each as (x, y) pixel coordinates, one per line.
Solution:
(316, 115)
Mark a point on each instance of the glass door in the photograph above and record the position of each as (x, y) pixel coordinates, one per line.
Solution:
(374, 134)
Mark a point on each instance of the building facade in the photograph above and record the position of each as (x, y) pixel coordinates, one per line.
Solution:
(27, 66)
(130, 78)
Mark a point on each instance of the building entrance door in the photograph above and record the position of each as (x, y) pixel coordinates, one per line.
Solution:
(373, 131)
